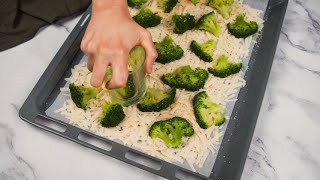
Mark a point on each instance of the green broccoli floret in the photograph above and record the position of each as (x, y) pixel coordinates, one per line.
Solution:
(156, 100)
(222, 6)
(167, 5)
(125, 92)
(171, 131)
(146, 18)
(241, 28)
(195, 1)
(168, 51)
(136, 3)
(223, 67)
(112, 115)
(207, 112)
(80, 95)
(183, 23)
(208, 23)
(137, 57)
(186, 78)
(204, 50)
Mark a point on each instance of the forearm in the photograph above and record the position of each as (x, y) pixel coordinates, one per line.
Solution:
(117, 5)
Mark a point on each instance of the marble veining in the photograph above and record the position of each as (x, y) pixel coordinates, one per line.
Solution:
(13, 166)
(285, 145)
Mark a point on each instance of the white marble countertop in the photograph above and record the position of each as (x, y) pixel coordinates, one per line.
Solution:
(286, 143)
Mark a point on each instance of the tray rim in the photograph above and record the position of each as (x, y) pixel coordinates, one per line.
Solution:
(31, 110)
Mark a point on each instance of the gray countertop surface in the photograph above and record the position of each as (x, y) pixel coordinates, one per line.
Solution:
(286, 142)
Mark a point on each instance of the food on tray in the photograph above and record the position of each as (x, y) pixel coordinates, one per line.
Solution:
(168, 51)
(222, 6)
(186, 78)
(136, 58)
(209, 23)
(125, 92)
(171, 131)
(136, 3)
(146, 18)
(204, 50)
(241, 28)
(112, 115)
(183, 23)
(206, 111)
(156, 100)
(183, 71)
(195, 1)
(223, 67)
(167, 5)
(80, 95)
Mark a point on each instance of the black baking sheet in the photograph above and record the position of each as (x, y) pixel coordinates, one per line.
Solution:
(228, 163)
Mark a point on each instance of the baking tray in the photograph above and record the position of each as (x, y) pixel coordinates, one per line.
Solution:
(231, 157)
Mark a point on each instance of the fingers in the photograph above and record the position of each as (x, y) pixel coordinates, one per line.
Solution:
(119, 71)
(99, 70)
(151, 53)
(90, 62)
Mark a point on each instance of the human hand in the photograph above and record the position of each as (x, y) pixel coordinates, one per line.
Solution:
(109, 37)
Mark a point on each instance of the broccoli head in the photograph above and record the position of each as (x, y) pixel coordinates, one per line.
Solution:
(125, 92)
(168, 51)
(186, 78)
(223, 67)
(204, 50)
(171, 131)
(195, 1)
(156, 100)
(135, 60)
(222, 6)
(241, 28)
(167, 5)
(208, 23)
(146, 18)
(112, 115)
(183, 23)
(137, 57)
(207, 112)
(136, 3)
(80, 95)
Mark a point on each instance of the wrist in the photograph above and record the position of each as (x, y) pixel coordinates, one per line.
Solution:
(109, 5)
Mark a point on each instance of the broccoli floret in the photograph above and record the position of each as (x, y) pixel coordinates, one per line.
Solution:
(241, 28)
(186, 78)
(183, 23)
(195, 1)
(208, 23)
(136, 60)
(222, 6)
(127, 91)
(171, 131)
(206, 111)
(223, 67)
(80, 95)
(204, 50)
(146, 18)
(167, 5)
(136, 57)
(168, 51)
(112, 115)
(136, 3)
(156, 100)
